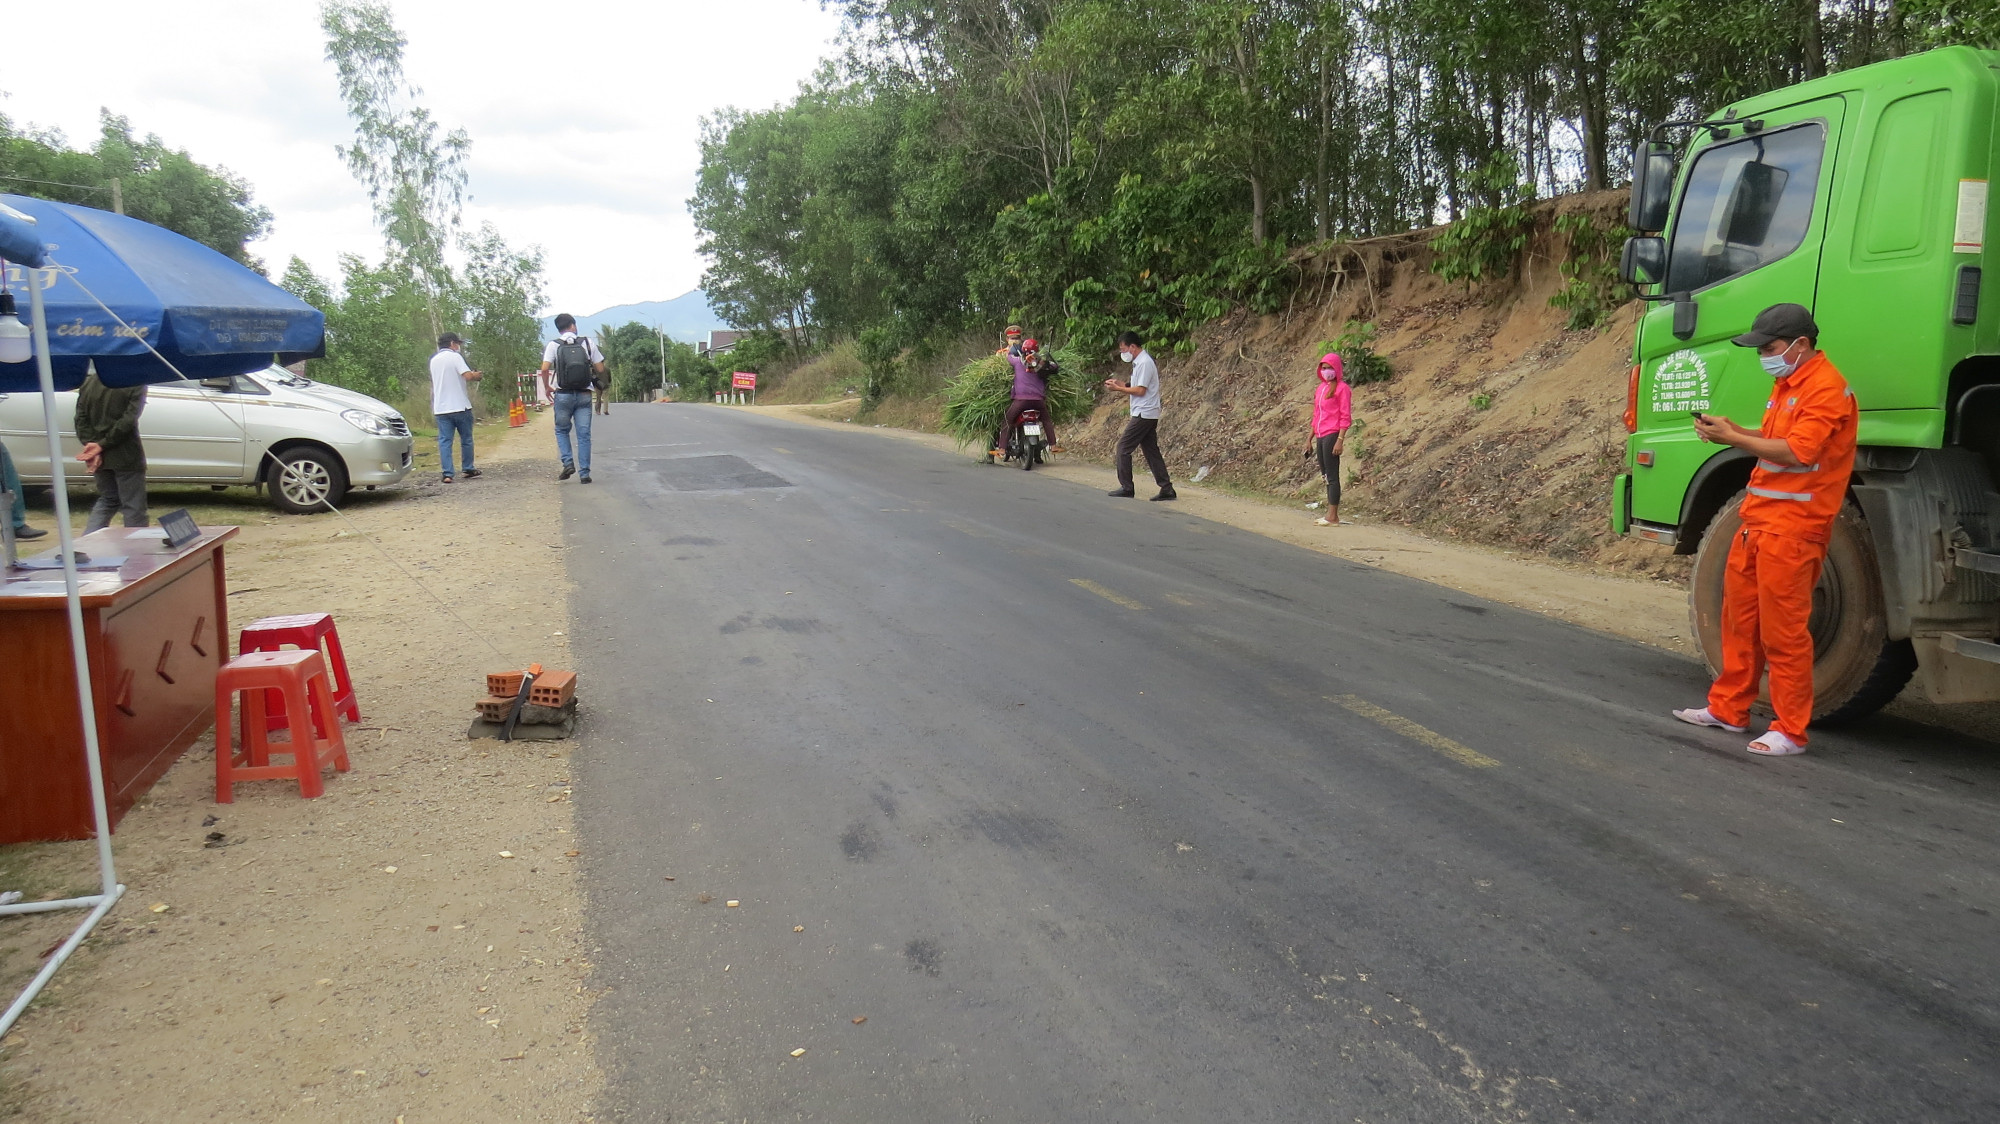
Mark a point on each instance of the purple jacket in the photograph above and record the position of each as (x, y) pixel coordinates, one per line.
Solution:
(1028, 385)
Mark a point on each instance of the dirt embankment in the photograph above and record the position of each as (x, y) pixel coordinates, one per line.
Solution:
(1501, 425)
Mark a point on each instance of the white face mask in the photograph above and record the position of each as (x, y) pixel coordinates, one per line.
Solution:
(1778, 366)
(1127, 356)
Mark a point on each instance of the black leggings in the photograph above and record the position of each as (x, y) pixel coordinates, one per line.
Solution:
(1329, 466)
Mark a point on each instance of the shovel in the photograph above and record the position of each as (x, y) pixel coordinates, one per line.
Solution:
(520, 700)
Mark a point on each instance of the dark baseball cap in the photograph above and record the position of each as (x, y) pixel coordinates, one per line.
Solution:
(450, 338)
(1779, 322)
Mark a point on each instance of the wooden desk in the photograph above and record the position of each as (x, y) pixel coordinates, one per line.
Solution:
(155, 631)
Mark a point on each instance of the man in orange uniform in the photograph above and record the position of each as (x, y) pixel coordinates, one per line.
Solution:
(1805, 453)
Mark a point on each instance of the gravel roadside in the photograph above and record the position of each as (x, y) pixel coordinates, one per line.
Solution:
(409, 946)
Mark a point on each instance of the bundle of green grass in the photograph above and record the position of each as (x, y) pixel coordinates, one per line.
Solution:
(976, 399)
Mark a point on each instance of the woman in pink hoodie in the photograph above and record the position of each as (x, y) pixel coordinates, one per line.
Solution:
(1333, 412)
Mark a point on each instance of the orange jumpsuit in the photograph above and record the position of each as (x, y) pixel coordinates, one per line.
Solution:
(1774, 562)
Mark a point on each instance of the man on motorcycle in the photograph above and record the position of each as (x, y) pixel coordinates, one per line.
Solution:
(1031, 392)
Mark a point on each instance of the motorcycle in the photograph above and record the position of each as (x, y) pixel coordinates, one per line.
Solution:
(1026, 443)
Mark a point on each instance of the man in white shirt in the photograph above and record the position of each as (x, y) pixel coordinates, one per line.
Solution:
(576, 364)
(1142, 429)
(451, 401)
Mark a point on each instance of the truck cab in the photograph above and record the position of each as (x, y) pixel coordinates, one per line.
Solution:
(1863, 196)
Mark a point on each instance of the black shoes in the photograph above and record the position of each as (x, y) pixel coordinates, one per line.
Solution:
(1122, 493)
(472, 472)
(25, 532)
(1167, 493)
(568, 471)
(586, 478)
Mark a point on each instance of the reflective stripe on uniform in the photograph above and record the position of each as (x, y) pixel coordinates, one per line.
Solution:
(1769, 466)
(1768, 494)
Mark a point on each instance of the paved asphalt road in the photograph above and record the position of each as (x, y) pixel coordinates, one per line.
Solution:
(1096, 811)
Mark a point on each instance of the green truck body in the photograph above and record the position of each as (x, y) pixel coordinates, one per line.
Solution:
(1861, 195)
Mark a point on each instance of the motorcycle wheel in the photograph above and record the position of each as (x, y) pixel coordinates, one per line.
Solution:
(1027, 455)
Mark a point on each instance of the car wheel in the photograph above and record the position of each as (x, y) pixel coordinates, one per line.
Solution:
(307, 479)
(1857, 669)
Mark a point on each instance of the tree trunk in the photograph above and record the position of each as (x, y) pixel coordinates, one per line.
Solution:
(1815, 61)
(1321, 196)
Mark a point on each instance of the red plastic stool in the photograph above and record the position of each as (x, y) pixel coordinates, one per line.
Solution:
(310, 631)
(299, 677)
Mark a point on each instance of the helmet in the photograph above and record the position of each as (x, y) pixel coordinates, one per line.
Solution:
(1030, 345)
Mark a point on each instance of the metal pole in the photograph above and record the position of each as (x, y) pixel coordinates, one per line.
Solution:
(86, 702)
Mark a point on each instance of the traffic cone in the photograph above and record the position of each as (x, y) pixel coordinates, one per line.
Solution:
(517, 414)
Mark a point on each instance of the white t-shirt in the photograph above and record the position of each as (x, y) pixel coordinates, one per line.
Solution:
(448, 394)
(1147, 374)
(589, 347)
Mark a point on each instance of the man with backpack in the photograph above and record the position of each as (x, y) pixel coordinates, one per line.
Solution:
(576, 364)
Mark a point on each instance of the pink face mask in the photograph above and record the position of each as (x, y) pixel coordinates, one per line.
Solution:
(1329, 367)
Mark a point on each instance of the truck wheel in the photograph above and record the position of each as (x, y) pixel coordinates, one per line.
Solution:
(306, 479)
(1857, 669)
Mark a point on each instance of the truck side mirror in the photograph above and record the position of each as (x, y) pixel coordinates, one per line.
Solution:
(1653, 169)
(1644, 260)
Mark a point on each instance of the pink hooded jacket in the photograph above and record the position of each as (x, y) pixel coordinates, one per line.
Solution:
(1333, 408)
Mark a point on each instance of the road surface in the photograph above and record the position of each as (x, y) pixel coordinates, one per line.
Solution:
(1095, 811)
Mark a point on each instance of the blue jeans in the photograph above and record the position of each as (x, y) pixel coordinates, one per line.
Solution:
(574, 406)
(460, 420)
(10, 481)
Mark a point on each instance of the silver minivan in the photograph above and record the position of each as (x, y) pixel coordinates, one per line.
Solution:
(306, 442)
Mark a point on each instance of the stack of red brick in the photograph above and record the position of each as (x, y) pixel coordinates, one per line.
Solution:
(549, 697)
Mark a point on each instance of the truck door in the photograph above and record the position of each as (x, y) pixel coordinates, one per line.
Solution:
(1746, 235)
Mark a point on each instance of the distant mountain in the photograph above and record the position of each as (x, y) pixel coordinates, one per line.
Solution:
(686, 317)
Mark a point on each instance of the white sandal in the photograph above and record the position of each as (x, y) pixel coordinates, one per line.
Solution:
(1700, 716)
(1776, 744)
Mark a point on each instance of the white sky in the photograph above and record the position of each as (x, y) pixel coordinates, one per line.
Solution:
(584, 114)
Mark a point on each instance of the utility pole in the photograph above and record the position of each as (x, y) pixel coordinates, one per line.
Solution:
(117, 195)
(663, 359)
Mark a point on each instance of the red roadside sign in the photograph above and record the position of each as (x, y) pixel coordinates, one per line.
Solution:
(744, 380)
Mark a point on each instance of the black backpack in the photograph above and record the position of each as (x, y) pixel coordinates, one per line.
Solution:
(572, 365)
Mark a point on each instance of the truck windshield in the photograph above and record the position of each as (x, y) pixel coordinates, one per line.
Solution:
(1747, 202)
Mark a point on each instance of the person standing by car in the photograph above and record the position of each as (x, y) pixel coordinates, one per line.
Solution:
(1142, 429)
(451, 402)
(1333, 412)
(576, 362)
(1805, 455)
(10, 482)
(107, 423)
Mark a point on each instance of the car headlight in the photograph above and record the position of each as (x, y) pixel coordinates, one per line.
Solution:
(367, 422)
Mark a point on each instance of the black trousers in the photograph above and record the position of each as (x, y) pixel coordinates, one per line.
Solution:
(1329, 466)
(1142, 434)
(1013, 419)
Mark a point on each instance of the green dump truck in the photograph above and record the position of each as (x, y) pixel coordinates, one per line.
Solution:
(1862, 196)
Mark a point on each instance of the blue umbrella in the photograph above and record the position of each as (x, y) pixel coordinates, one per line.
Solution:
(118, 290)
(145, 305)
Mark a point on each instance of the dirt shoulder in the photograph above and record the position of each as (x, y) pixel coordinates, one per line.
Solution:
(372, 954)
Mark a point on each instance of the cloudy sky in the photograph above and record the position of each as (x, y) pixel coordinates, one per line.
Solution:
(584, 114)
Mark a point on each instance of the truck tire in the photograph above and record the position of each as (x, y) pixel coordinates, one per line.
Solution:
(307, 478)
(1857, 669)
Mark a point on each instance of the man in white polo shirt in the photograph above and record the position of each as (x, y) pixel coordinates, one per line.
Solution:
(1142, 429)
(451, 401)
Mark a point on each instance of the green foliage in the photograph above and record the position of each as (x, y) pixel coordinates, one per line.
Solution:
(1359, 364)
(415, 177)
(880, 359)
(635, 358)
(161, 185)
(693, 375)
(1102, 165)
(1487, 241)
(976, 401)
(1591, 287)
(1480, 401)
(499, 293)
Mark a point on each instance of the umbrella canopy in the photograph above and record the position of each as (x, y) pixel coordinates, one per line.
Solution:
(208, 315)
